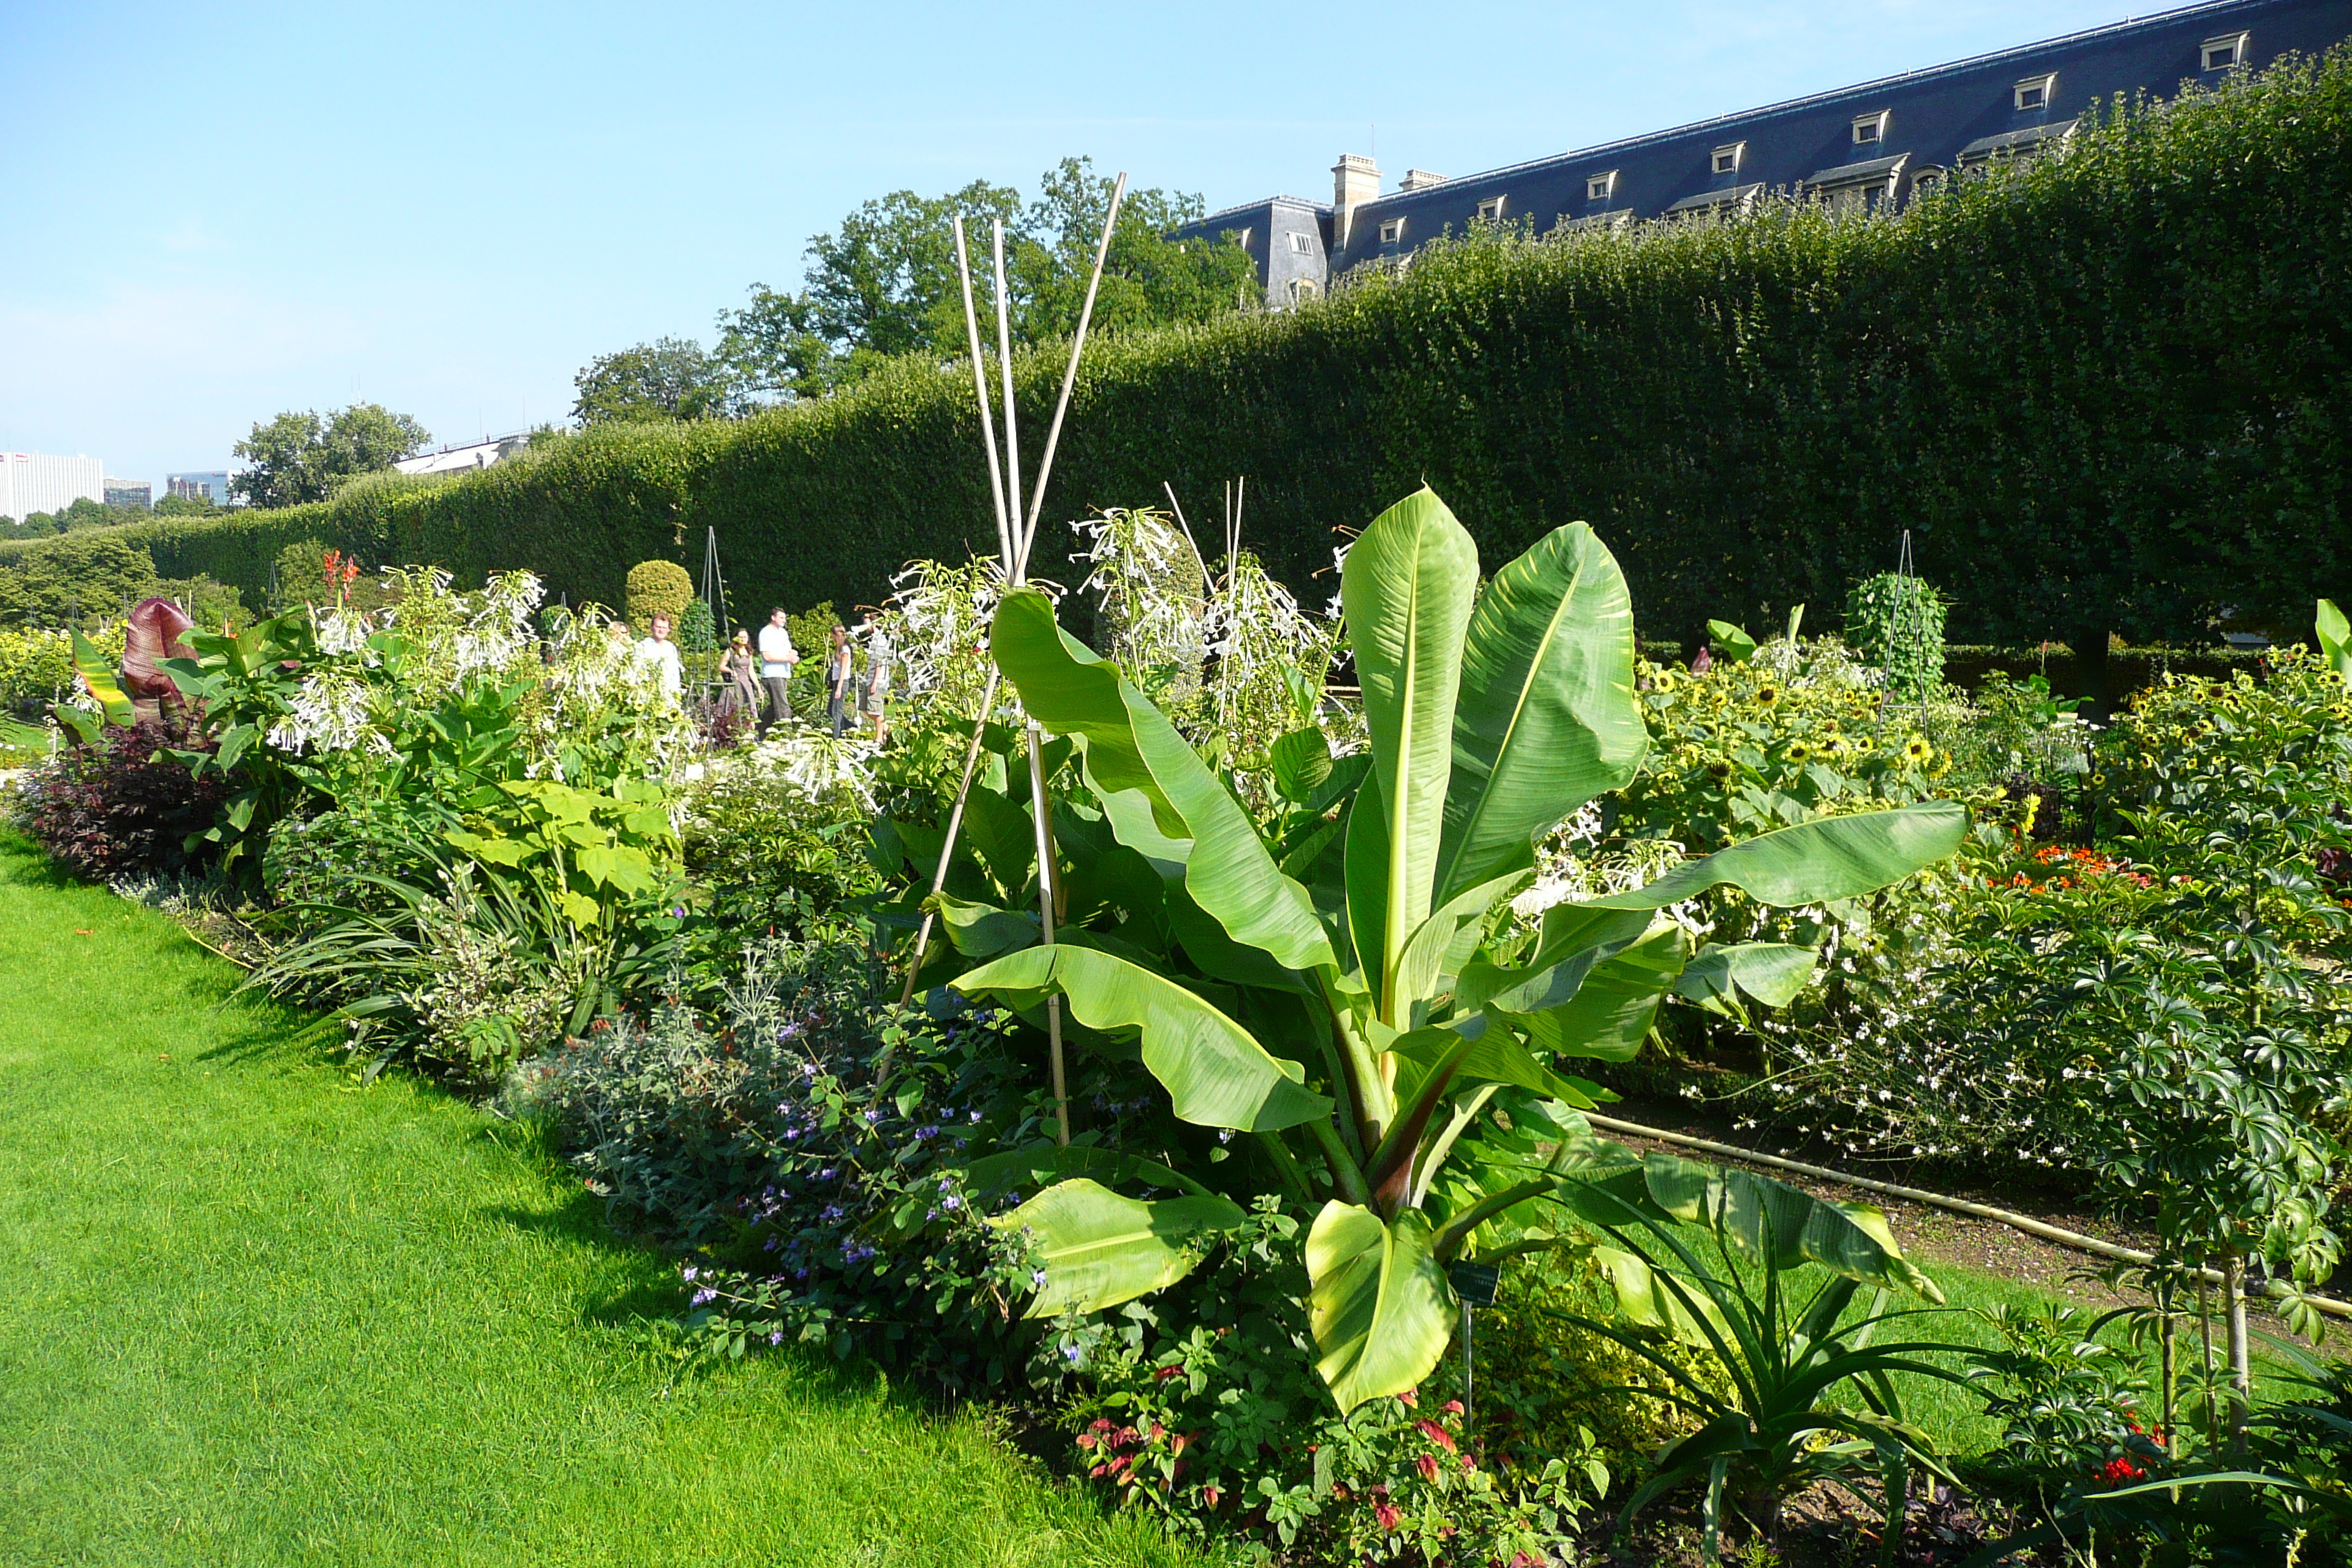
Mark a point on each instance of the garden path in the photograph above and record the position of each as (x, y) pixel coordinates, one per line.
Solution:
(254, 1313)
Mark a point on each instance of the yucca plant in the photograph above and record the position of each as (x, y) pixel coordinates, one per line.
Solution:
(1347, 997)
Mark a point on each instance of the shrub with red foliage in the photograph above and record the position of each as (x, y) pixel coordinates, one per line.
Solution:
(120, 806)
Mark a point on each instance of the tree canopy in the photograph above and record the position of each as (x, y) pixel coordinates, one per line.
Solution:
(884, 284)
(302, 457)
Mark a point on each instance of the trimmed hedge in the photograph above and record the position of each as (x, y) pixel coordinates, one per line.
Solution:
(2107, 391)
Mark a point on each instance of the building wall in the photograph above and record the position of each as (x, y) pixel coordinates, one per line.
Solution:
(30, 482)
(129, 492)
(1935, 123)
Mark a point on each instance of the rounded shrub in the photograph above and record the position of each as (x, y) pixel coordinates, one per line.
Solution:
(657, 587)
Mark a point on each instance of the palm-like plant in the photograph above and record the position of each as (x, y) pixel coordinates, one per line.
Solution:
(1344, 995)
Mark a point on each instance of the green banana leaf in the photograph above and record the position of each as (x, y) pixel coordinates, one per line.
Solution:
(1546, 718)
(1768, 1221)
(1046, 1164)
(1813, 862)
(1493, 1056)
(1406, 587)
(1215, 1072)
(1131, 747)
(2334, 638)
(983, 930)
(1611, 1012)
(1773, 973)
(100, 679)
(1364, 863)
(1378, 1304)
(1100, 1249)
(1731, 642)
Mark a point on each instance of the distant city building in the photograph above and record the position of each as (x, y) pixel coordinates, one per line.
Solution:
(129, 492)
(211, 487)
(465, 459)
(1857, 149)
(30, 482)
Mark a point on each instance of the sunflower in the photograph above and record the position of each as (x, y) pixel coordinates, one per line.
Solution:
(1799, 752)
(1916, 751)
(1767, 697)
(1832, 744)
(1719, 769)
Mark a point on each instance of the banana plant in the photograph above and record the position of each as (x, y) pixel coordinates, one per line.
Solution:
(1350, 1000)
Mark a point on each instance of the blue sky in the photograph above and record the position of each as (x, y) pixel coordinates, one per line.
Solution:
(216, 211)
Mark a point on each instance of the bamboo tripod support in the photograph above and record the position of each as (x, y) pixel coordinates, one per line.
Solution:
(1016, 534)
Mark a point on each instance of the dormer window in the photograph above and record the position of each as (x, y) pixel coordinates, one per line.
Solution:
(1869, 130)
(2033, 92)
(2225, 53)
(1491, 210)
(1601, 187)
(1392, 230)
(1302, 245)
(1727, 158)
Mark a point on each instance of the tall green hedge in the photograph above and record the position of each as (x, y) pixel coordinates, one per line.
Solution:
(2108, 390)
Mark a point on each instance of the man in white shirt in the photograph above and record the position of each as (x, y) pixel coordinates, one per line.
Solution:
(777, 656)
(660, 655)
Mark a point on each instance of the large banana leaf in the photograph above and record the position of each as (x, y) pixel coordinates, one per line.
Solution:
(1131, 747)
(1378, 1303)
(1773, 973)
(1612, 1011)
(1813, 862)
(1406, 588)
(1768, 1221)
(1215, 1072)
(2334, 638)
(1100, 1249)
(100, 679)
(1546, 718)
(983, 930)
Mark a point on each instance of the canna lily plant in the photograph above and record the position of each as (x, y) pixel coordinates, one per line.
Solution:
(1345, 996)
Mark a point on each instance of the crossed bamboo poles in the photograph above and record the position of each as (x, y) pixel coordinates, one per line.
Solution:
(1014, 536)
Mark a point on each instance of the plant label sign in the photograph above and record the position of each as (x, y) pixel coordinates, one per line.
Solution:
(1475, 1282)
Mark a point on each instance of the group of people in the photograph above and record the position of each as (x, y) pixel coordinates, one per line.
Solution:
(746, 676)
(743, 672)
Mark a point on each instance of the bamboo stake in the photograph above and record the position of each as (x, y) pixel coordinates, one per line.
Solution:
(947, 846)
(996, 494)
(987, 425)
(1019, 557)
(1045, 901)
(1188, 530)
(1070, 376)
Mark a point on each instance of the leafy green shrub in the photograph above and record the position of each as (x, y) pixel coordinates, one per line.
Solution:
(77, 579)
(657, 587)
(1740, 407)
(1895, 625)
(776, 835)
(37, 667)
(123, 804)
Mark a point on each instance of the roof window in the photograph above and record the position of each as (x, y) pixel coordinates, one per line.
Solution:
(2033, 92)
(1869, 129)
(1392, 230)
(1302, 244)
(2225, 53)
(1729, 159)
(1491, 210)
(1601, 187)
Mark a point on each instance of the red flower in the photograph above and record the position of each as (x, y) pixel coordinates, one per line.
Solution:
(2120, 1469)
(1427, 1464)
(1436, 1434)
(1409, 1398)
(1387, 1514)
(1453, 1407)
(1211, 1494)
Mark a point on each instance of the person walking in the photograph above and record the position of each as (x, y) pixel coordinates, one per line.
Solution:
(876, 689)
(777, 656)
(739, 673)
(659, 654)
(839, 661)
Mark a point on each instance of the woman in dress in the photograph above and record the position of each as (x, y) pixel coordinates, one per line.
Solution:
(739, 675)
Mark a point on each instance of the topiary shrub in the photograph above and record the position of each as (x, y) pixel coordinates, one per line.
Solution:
(657, 587)
(1895, 623)
(121, 806)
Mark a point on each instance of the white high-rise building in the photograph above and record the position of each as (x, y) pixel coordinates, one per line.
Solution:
(30, 482)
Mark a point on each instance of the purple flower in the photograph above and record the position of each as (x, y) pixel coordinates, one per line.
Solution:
(950, 1202)
(688, 1274)
(776, 1337)
(1070, 1354)
(702, 1296)
(1036, 1279)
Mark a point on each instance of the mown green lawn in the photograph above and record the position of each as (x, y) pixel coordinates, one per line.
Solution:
(251, 1312)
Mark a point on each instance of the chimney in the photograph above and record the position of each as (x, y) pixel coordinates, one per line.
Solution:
(1355, 180)
(1419, 180)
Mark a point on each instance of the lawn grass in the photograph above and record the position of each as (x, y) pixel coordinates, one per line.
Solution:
(254, 1313)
